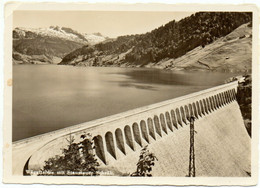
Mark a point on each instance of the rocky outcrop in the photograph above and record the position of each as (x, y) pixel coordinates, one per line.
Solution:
(244, 98)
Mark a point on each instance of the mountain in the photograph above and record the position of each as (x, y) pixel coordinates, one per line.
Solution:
(48, 45)
(164, 46)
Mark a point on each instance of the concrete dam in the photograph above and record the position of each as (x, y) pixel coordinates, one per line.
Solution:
(222, 144)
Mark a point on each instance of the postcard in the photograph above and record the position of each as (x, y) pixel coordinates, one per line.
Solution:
(131, 94)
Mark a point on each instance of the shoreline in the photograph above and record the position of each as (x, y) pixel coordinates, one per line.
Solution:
(146, 67)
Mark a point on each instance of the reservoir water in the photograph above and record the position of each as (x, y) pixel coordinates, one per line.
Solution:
(51, 97)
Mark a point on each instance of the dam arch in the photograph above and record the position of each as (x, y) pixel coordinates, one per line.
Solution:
(183, 115)
(120, 140)
(205, 106)
(231, 95)
(178, 115)
(202, 107)
(163, 124)
(151, 128)
(168, 120)
(216, 101)
(129, 137)
(137, 135)
(208, 105)
(212, 103)
(223, 99)
(110, 144)
(99, 148)
(191, 111)
(198, 108)
(227, 97)
(187, 113)
(144, 131)
(195, 110)
(157, 125)
(174, 120)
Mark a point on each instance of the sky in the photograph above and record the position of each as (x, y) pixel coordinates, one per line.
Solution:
(108, 23)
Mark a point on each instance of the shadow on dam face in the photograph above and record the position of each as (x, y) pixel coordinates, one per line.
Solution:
(222, 145)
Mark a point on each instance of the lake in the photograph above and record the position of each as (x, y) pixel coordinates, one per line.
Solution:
(51, 97)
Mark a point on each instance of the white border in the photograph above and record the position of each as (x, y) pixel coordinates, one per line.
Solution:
(123, 180)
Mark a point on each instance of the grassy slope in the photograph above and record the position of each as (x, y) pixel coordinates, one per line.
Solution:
(230, 53)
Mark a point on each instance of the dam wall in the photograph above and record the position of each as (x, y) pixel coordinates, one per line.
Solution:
(222, 145)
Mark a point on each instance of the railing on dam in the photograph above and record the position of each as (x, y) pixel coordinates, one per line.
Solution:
(115, 136)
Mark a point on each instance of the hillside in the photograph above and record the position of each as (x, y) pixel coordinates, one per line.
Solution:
(230, 53)
(48, 45)
(163, 47)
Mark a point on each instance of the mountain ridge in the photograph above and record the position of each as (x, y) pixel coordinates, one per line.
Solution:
(60, 32)
(44, 45)
(171, 41)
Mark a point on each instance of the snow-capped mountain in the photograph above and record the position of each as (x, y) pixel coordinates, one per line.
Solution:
(59, 32)
(95, 38)
(48, 45)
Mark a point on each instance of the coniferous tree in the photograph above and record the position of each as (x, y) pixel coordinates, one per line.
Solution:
(76, 159)
(145, 163)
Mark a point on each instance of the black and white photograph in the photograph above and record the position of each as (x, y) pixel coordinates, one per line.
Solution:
(145, 96)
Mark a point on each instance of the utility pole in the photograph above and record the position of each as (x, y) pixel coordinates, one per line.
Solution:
(192, 154)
